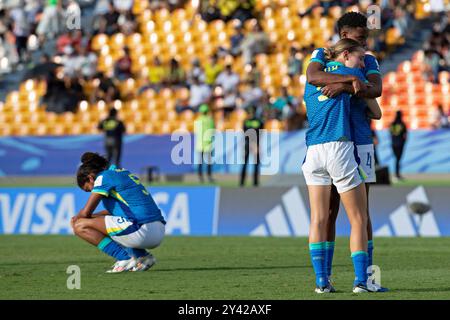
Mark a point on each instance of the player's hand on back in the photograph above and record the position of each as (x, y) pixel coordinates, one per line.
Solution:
(359, 86)
(333, 90)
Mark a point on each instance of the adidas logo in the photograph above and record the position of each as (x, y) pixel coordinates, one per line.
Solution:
(290, 218)
(403, 223)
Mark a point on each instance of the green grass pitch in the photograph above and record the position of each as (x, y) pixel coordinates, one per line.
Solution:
(34, 267)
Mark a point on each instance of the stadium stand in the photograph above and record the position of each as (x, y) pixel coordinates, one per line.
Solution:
(144, 33)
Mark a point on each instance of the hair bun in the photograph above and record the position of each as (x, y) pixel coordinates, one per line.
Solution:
(89, 157)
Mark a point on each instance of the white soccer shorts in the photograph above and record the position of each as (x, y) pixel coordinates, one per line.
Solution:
(332, 163)
(366, 154)
(132, 235)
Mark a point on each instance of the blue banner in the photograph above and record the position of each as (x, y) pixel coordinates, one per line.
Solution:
(188, 211)
(426, 151)
(284, 212)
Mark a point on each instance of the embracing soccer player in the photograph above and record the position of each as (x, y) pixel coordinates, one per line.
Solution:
(352, 25)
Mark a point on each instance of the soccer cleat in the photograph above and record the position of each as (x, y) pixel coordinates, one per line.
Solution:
(321, 290)
(377, 288)
(361, 288)
(330, 285)
(144, 263)
(122, 266)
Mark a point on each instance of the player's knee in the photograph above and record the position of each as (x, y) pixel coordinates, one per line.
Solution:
(359, 219)
(320, 222)
(79, 228)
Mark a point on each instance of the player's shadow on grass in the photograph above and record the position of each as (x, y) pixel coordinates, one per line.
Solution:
(233, 268)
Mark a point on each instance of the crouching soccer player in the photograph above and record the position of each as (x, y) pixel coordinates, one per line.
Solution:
(131, 223)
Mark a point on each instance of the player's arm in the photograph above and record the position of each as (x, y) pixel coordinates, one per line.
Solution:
(373, 109)
(319, 78)
(373, 76)
(90, 206)
(375, 88)
(333, 84)
(102, 213)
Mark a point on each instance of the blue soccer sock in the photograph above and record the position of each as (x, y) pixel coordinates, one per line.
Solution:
(359, 259)
(137, 253)
(115, 250)
(329, 252)
(317, 253)
(370, 252)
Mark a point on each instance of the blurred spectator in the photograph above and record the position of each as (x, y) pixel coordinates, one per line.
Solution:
(398, 136)
(106, 89)
(196, 72)
(50, 23)
(229, 82)
(431, 65)
(101, 7)
(21, 30)
(252, 74)
(208, 11)
(111, 19)
(437, 8)
(440, 119)
(72, 38)
(255, 42)
(204, 133)
(176, 75)
(236, 40)
(63, 41)
(324, 4)
(400, 21)
(285, 105)
(62, 95)
(88, 62)
(252, 97)
(127, 23)
(252, 127)
(156, 76)
(114, 130)
(71, 62)
(294, 63)
(244, 11)
(200, 93)
(212, 70)
(123, 5)
(122, 69)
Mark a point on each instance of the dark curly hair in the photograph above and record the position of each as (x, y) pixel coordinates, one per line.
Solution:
(351, 20)
(91, 164)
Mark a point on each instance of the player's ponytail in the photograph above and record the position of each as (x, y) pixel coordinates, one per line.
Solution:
(91, 164)
(342, 45)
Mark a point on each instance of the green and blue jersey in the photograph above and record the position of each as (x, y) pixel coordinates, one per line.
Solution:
(124, 196)
(329, 118)
(360, 126)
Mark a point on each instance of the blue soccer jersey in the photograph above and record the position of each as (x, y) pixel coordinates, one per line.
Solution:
(329, 118)
(360, 126)
(125, 196)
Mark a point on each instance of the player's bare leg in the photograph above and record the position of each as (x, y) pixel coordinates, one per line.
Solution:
(319, 197)
(355, 203)
(93, 230)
